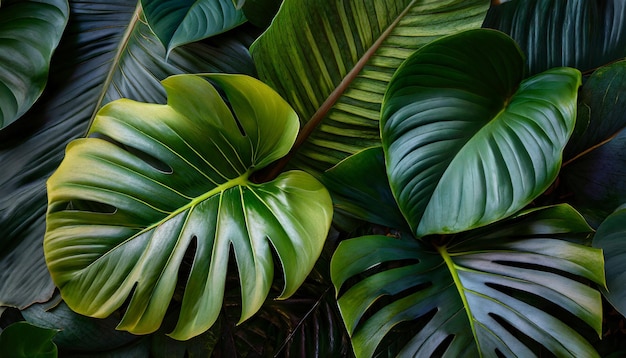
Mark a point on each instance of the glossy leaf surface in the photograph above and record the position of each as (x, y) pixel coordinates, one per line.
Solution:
(179, 22)
(29, 33)
(577, 33)
(155, 183)
(96, 62)
(611, 238)
(333, 60)
(474, 295)
(467, 140)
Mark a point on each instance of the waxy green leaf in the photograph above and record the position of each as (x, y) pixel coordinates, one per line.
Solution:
(467, 140)
(156, 184)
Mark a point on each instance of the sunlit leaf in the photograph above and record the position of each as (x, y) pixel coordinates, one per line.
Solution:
(155, 183)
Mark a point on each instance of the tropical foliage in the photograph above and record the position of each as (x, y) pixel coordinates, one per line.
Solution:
(312, 178)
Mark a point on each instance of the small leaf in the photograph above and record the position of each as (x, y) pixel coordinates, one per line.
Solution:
(467, 141)
(24, 340)
(492, 290)
(29, 33)
(360, 188)
(178, 22)
(611, 238)
(154, 184)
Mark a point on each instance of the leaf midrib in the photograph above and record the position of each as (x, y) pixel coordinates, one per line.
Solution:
(334, 96)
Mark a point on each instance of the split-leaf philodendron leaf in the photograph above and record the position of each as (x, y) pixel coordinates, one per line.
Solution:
(154, 185)
(467, 139)
(473, 296)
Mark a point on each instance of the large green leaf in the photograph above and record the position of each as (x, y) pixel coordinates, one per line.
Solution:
(332, 60)
(155, 182)
(467, 141)
(576, 33)
(510, 288)
(107, 53)
(611, 238)
(29, 33)
(179, 22)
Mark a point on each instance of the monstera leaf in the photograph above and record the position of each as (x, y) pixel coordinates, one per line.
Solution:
(332, 60)
(107, 52)
(157, 183)
(179, 22)
(500, 289)
(611, 238)
(24, 58)
(467, 140)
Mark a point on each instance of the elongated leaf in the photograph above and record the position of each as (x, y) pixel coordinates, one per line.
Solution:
(95, 63)
(29, 33)
(174, 178)
(576, 33)
(332, 61)
(24, 340)
(466, 141)
(611, 238)
(491, 291)
(179, 22)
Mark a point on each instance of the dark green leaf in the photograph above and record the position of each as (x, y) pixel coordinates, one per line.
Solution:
(602, 96)
(77, 332)
(611, 238)
(594, 183)
(29, 33)
(576, 33)
(24, 340)
(360, 188)
(507, 287)
(155, 183)
(467, 141)
(261, 12)
(332, 60)
(179, 22)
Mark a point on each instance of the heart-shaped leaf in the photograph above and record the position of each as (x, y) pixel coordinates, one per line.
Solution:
(29, 33)
(157, 183)
(507, 288)
(178, 22)
(467, 141)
